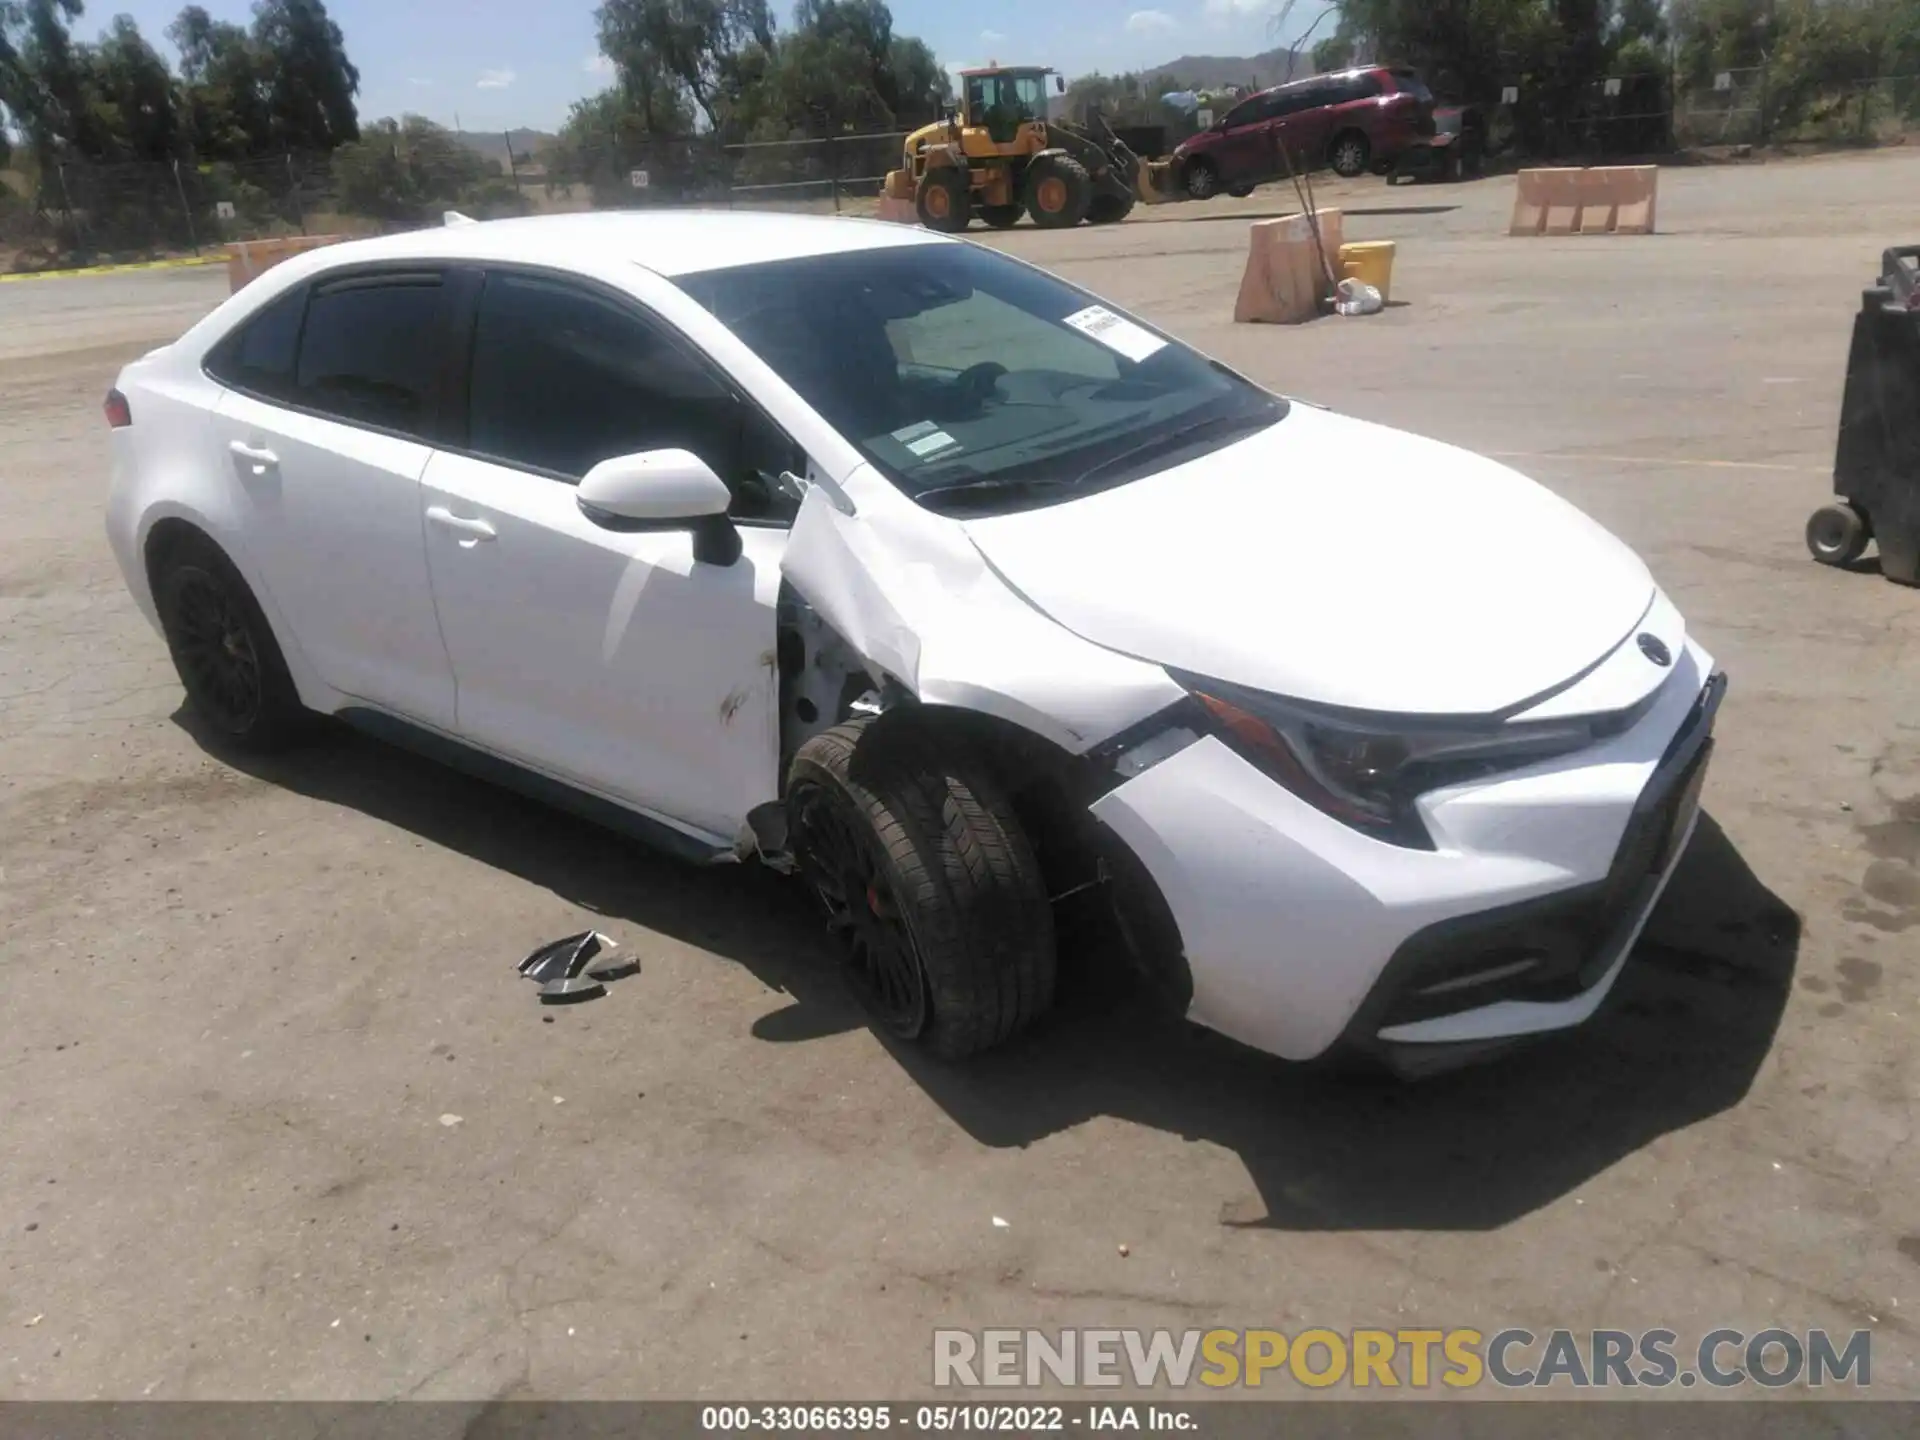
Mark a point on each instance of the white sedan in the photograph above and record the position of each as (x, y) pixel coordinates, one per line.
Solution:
(996, 612)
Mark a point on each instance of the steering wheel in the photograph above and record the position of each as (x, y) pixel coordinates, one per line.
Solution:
(978, 380)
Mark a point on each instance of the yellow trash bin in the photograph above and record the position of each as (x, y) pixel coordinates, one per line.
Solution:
(1370, 262)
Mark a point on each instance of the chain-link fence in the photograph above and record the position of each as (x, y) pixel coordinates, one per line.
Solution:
(1755, 106)
(74, 211)
(78, 210)
(87, 210)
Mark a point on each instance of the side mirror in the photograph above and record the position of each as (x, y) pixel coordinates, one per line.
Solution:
(663, 490)
(1059, 84)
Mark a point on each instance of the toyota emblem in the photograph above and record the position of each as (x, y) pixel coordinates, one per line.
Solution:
(1655, 650)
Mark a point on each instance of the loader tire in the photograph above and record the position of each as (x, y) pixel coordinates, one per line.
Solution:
(1058, 192)
(1109, 209)
(929, 883)
(943, 201)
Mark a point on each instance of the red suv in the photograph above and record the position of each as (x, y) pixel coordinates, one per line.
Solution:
(1354, 121)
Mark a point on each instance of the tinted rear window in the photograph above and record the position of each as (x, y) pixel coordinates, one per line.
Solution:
(1354, 87)
(1409, 83)
(367, 351)
(259, 356)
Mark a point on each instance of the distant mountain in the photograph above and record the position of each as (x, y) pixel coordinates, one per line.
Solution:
(1255, 72)
(493, 143)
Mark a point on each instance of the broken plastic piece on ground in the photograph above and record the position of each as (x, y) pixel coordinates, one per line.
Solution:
(1356, 297)
(617, 970)
(571, 990)
(559, 968)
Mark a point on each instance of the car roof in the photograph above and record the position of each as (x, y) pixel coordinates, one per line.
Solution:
(667, 241)
(1349, 74)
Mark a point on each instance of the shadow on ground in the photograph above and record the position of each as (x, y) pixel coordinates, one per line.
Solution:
(1681, 1039)
(1283, 213)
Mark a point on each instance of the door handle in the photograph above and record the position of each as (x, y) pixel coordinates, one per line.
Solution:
(472, 530)
(258, 456)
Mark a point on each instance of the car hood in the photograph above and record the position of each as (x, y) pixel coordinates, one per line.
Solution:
(1334, 561)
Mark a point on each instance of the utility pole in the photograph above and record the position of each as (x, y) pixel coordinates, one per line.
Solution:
(1766, 65)
(193, 234)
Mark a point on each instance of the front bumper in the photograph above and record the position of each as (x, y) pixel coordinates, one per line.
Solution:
(1302, 934)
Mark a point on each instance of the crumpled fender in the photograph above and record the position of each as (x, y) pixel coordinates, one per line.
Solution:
(912, 595)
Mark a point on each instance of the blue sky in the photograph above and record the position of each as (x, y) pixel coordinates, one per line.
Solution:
(496, 64)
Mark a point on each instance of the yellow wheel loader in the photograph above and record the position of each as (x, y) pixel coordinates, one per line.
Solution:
(998, 156)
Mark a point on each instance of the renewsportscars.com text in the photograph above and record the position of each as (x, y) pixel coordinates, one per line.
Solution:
(1454, 1359)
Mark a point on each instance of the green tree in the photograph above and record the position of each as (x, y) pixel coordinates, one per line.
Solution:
(409, 170)
(1333, 53)
(698, 44)
(134, 96)
(310, 82)
(225, 85)
(47, 79)
(621, 128)
(840, 69)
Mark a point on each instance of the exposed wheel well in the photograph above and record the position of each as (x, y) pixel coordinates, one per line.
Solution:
(166, 539)
(1107, 908)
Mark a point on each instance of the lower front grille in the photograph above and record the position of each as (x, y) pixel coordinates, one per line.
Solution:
(1561, 945)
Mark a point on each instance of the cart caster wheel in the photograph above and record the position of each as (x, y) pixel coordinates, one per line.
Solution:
(1836, 535)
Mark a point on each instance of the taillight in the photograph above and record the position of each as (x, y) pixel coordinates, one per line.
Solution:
(119, 413)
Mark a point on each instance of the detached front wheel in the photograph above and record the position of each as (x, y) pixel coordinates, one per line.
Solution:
(929, 885)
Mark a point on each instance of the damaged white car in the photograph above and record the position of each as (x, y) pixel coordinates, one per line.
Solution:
(994, 611)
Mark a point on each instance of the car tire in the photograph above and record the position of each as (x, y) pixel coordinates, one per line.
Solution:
(928, 881)
(1837, 534)
(225, 652)
(1200, 180)
(1059, 190)
(1349, 154)
(1001, 217)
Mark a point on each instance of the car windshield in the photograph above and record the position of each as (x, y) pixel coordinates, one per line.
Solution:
(975, 382)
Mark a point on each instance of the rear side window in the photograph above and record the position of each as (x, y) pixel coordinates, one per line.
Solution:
(259, 356)
(367, 351)
(1408, 82)
(1307, 97)
(1248, 111)
(1358, 87)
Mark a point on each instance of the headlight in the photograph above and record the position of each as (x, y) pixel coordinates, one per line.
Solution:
(1368, 770)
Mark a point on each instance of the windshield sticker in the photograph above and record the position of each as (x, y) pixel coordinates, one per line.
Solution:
(1115, 332)
(913, 432)
(931, 443)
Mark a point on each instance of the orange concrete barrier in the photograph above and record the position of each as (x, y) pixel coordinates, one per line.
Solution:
(1284, 281)
(249, 259)
(1604, 200)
